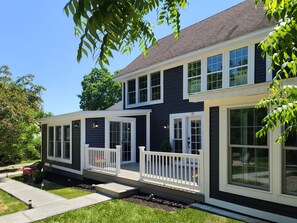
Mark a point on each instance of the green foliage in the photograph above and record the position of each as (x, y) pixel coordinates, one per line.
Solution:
(20, 104)
(104, 25)
(99, 91)
(280, 45)
(165, 146)
(126, 212)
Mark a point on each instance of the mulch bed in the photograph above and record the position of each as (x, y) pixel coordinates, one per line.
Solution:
(156, 202)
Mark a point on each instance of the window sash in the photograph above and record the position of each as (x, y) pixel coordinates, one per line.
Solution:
(155, 86)
(194, 76)
(132, 91)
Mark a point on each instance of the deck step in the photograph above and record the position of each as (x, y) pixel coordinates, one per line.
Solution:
(116, 190)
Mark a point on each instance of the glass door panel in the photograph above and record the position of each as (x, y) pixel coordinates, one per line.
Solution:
(194, 136)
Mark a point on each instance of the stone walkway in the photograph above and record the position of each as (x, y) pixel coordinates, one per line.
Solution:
(45, 204)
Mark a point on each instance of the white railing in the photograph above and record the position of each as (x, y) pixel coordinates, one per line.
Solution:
(177, 169)
(103, 159)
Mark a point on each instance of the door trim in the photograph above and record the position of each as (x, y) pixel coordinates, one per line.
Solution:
(133, 134)
(185, 122)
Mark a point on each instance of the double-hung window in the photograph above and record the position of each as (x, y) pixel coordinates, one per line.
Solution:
(59, 143)
(290, 165)
(194, 77)
(131, 92)
(248, 155)
(142, 88)
(155, 86)
(238, 64)
(214, 72)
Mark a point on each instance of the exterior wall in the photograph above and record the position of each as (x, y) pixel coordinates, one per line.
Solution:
(215, 192)
(76, 137)
(95, 137)
(260, 66)
(140, 133)
(173, 103)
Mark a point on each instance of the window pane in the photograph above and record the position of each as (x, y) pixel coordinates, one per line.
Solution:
(250, 167)
(214, 81)
(131, 92)
(194, 77)
(66, 148)
(58, 148)
(142, 82)
(51, 142)
(290, 172)
(155, 86)
(238, 73)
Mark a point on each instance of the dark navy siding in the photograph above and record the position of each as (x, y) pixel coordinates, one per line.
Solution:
(75, 148)
(173, 103)
(95, 137)
(215, 193)
(260, 65)
(140, 133)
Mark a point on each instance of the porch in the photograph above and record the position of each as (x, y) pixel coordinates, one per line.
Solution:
(171, 175)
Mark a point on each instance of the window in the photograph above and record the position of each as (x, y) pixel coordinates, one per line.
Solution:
(214, 72)
(290, 165)
(238, 67)
(194, 77)
(178, 138)
(142, 86)
(249, 156)
(131, 92)
(155, 86)
(59, 143)
(66, 140)
(51, 141)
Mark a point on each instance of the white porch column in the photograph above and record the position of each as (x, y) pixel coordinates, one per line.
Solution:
(141, 162)
(83, 164)
(118, 159)
(86, 153)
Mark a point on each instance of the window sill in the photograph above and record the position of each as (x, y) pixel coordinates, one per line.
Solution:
(68, 161)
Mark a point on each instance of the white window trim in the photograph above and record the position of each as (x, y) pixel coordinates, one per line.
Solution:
(275, 193)
(225, 71)
(62, 160)
(149, 101)
(185, 118)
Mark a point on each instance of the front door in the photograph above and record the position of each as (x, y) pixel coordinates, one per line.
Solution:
(194, 139)
(122, 133)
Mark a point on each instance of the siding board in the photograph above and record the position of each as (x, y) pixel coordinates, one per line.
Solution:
(95, 137)
(260, 65)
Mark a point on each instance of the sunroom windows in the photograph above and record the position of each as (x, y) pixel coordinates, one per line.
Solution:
(59, 143)
(144, 90)
(249, 156)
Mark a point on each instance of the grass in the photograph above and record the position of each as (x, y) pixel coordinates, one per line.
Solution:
(126, 212)
(9, 204)
(60, 190)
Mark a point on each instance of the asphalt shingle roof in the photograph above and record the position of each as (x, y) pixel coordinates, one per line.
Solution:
(236, 21)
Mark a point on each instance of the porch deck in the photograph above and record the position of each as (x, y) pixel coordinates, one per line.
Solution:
(130, 176)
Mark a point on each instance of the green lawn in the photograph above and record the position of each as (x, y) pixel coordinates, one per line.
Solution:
(9, 204)
(60, 190)
(126, 212)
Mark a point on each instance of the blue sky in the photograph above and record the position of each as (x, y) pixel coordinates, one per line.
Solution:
(37, 37)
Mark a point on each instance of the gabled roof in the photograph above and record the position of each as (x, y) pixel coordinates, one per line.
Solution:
(116, 107)
(236, 21)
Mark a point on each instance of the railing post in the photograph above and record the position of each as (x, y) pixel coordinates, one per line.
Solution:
(118, 159)
(141, 162)
(87, 164)
(201, 171)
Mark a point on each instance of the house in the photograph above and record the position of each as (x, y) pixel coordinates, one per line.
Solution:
(199, 92)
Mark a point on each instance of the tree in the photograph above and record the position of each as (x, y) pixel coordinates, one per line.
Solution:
(99, 91)
(280, 45)
(20, 101)
(105, 25)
